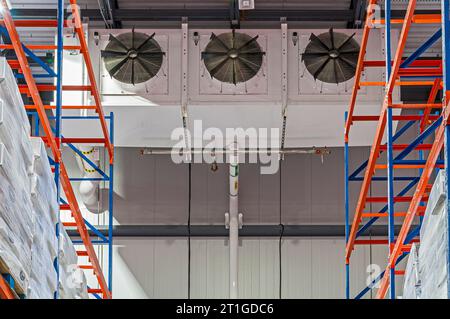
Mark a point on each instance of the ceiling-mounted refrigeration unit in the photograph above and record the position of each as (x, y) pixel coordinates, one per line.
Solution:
(234, 78)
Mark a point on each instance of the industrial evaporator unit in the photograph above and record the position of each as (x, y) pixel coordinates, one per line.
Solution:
(331, 57)
(233, 57)
(132, 57)
(227, 78)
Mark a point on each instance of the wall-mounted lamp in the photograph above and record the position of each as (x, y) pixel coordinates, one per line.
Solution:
(196, 38)
(294, 38)
(96, 38)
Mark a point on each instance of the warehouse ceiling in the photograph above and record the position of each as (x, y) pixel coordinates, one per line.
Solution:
(223, 13)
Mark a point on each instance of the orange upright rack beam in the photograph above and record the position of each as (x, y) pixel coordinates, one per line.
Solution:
(54, 140)
(421, 116)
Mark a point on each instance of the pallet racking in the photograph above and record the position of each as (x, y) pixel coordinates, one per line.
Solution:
(432, 120)
(52, 134)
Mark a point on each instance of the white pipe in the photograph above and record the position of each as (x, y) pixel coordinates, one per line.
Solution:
(285, 151)
(89, 189)
(234, 221)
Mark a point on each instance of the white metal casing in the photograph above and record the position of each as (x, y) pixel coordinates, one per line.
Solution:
(147, 113)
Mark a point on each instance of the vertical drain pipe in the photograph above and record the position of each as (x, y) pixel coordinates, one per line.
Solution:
(233, 220)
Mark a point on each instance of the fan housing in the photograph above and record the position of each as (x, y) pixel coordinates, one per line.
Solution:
(331, 57)
(233, 57)
(132, 57)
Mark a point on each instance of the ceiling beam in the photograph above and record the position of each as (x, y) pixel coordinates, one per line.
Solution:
(196, 14)
(113, 6)
(235, 15)
(359, 9)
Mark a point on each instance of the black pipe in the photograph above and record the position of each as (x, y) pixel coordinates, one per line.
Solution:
(221, 231)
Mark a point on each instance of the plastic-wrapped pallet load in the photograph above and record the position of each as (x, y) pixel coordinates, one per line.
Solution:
(43, 281)
(28, 203)
(412, 284)
(434, 244)
(16, 211)
(72, 281)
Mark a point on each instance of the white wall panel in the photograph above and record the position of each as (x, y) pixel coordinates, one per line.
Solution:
(311, 268)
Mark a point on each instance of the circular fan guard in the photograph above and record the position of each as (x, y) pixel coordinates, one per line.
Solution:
(233, 57)
(331, 57)
(132, 57)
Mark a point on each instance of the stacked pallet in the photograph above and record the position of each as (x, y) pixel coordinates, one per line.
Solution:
(43, 280)
(16, 208)
(29, 207)
(429, 268)
(412, 283)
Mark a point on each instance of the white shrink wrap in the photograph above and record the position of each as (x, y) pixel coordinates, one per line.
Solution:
(412, 283)
(434, 244)
(15, 214)
(72, 281)
(28, 200)
(15, 258)
(43, 187)
(8, 126)
(10, 94)
(67, 253)
(16, 217)
(73, 284)
(13, 135)
(43, 281)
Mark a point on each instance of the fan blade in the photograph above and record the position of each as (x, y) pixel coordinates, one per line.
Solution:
(213, 60)
(132, 71)
(242, 76)
(321, 68)
(215, 69)
(330, 31)
(151, 54)
(123, 74)
(348, 62)
(208, 54)
(152, 62)
(339, 71)
(145, 42)
(109, 53)
(118, 42)
(315, 39)
(252, 53)
(234, 72)
(248, 42)
(346, 41)
(118, 66)
(349, 52)
(251, 65)
(218, 40)
(233, 39)
(145, 67)
(335, 71)
(312, 54)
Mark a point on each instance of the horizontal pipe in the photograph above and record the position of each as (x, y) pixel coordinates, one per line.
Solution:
(286, 151)
(221, 231)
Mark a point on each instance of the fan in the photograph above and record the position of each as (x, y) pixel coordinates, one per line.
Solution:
(233, 57)
(132, 57)
(331, 57)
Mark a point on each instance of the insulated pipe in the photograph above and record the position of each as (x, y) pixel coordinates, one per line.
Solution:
(234, 220)
(89, 188)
